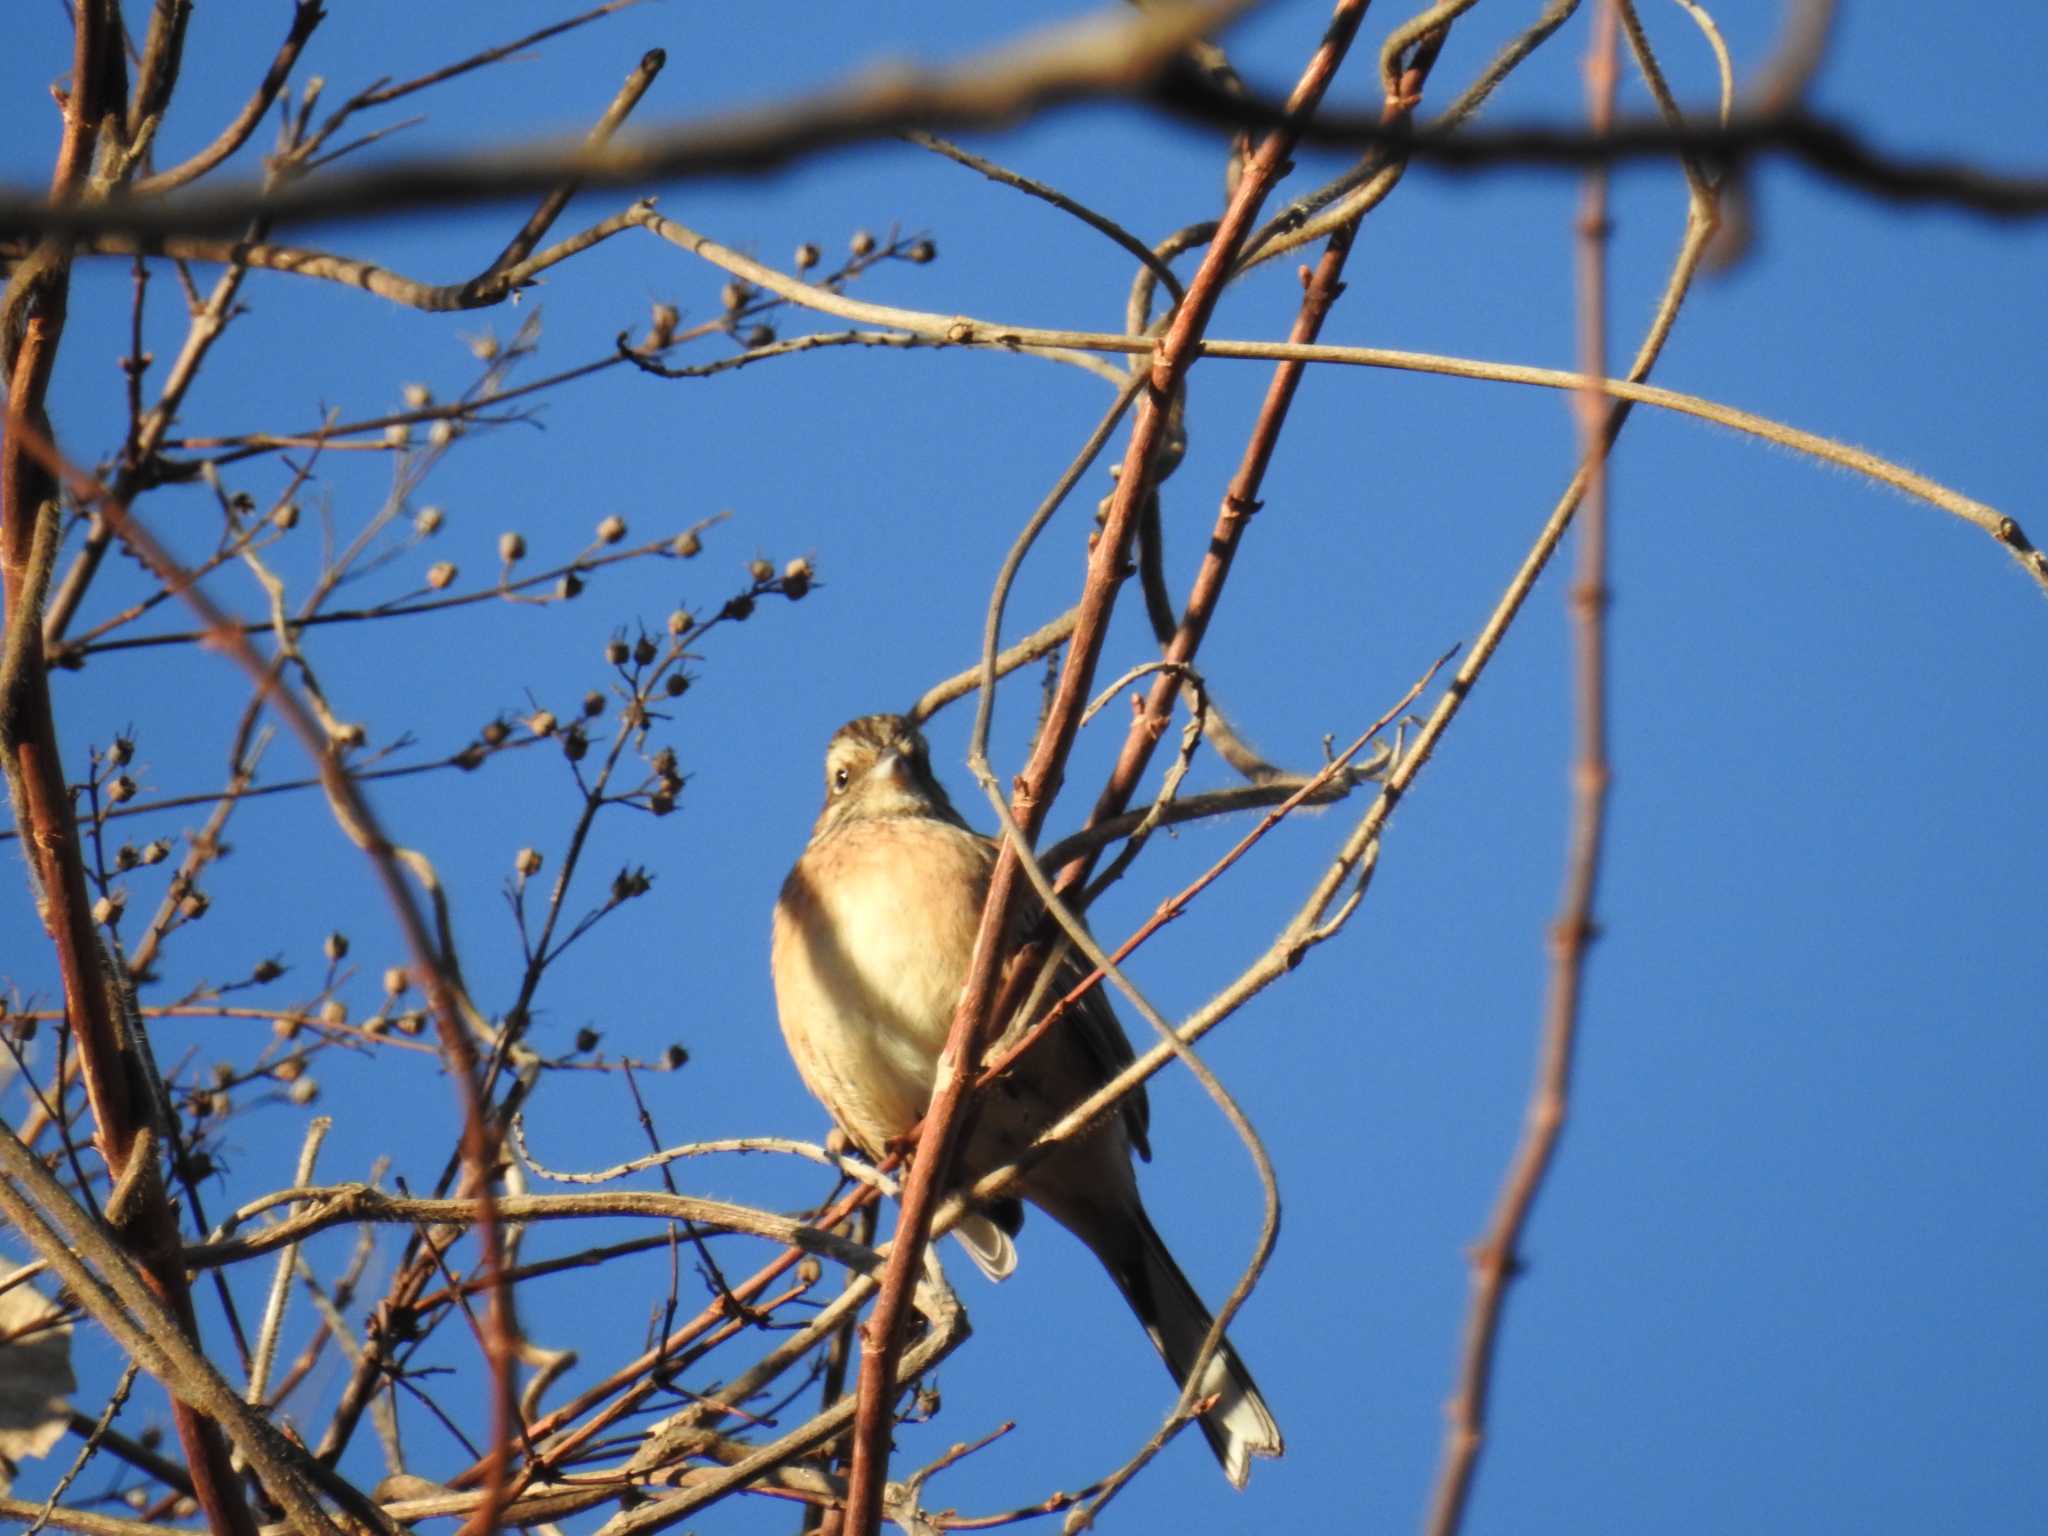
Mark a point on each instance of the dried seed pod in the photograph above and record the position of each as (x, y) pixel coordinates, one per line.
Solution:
(396, 980)
(679, 622)
(266, 969)
(921, 252)
(593, 704)
(441, 574)
(528, 862)
(336, 946)
(611, 529)
(511, 547)
(334, 1011)
(862, 243)
(427, 521)
(806, 256)
(494, 733)
(645, 650)
(541, 722)
(685, 546)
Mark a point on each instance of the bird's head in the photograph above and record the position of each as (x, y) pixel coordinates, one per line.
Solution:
(878, 766)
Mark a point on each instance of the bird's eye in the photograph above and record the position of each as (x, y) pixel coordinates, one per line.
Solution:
(841, 777)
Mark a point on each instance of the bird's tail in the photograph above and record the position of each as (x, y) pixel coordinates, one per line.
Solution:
(1239, 1426)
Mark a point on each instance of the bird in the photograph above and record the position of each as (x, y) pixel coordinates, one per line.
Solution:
(873, 933)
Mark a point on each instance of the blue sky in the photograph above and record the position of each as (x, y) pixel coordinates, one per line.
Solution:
(1786, 1272)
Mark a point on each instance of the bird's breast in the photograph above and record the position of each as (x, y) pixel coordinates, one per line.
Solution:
(873, 935)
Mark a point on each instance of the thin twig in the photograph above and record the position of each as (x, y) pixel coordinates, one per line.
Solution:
(1496, 1258)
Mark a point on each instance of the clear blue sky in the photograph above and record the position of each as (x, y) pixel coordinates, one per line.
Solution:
(1787, 1273)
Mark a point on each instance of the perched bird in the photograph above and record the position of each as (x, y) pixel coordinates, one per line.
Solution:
(873, 934)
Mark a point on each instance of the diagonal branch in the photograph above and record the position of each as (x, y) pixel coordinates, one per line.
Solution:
(1036, 785)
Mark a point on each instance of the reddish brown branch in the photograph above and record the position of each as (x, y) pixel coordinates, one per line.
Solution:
(1321, 288)
(1495, 1259)
(34, 762)
(882, 1337)
(429, 966)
